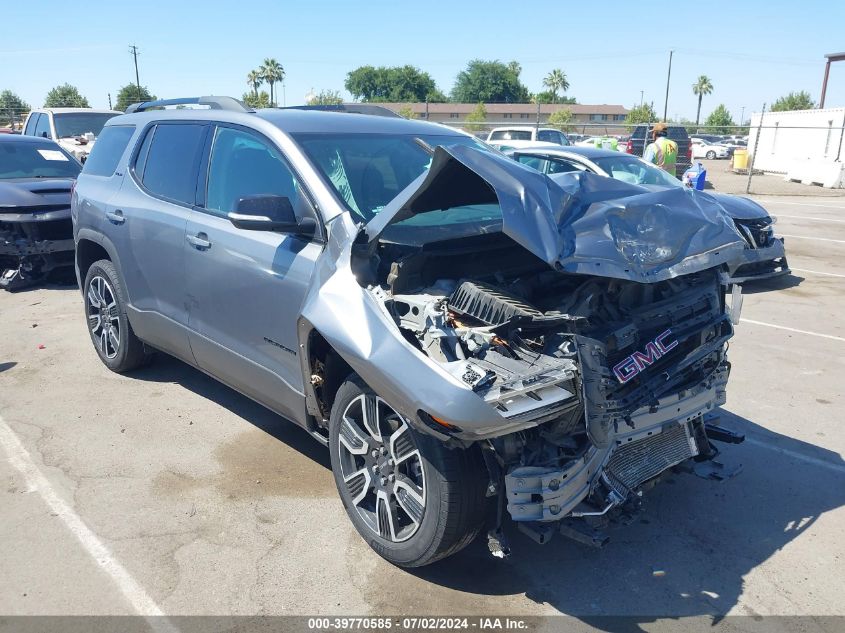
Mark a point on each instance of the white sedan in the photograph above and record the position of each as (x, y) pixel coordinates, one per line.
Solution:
(703, 149)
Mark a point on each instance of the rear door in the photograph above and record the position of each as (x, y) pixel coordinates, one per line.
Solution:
(149, 218)
(245, 289)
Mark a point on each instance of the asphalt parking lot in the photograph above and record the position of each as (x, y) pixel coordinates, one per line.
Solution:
(166, 492)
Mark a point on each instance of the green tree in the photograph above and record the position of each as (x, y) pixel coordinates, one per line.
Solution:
(794, 101)
(394, 84)
(128, 95)
(719, 121)
(272, 72)
(547, 96)
(12, 108)
(556, 80)
(254, 79)
(515, 68)
(700, 88)
(326, 97)
(406, 111)
(489, 82)
(475, 119)
(65, 96)
(561, 119)
(642, 113)
(260, 100)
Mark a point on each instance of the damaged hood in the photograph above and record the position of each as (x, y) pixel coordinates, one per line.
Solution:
(23, 193)
(577, 222)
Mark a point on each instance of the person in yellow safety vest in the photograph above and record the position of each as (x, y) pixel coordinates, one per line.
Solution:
(662, 151)
(606, 142)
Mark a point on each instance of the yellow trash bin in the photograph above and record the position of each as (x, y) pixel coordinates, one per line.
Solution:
(740, 159)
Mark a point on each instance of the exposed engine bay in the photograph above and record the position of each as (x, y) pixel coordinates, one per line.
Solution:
(609, 379)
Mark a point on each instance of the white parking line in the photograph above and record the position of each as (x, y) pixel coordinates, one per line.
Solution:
(21, 460)
(816, 272)
(805, 204)
(795, 455)
(790, 329)
(802, 217)
(807, 237)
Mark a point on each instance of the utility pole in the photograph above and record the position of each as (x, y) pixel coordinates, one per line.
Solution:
(134, 50)
(110, 101)
(742, 117)
(668, 75)
(641, 98)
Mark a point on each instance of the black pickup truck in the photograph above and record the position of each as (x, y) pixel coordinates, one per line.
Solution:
(641, 137)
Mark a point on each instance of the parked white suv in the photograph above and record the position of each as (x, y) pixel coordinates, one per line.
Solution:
(521, 136)
(74, 129)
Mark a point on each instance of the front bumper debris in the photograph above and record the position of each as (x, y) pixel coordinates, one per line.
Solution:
(762, 263)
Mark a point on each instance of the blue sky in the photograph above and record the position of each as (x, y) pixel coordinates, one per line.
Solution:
(753, 51)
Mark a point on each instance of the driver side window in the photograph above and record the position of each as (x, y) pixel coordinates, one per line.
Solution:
(42, 127)
(243, 164)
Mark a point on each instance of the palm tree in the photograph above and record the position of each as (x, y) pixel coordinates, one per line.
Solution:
(701, 87)
(556, 80)
(272, 72)
(255, 80)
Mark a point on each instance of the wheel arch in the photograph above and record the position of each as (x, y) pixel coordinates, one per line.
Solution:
(323, 371)
(91, 247)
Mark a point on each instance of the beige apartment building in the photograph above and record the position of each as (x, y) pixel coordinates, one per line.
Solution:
(603, 115)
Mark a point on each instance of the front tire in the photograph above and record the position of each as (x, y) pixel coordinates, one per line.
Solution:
(710, 155)
(413, 500)
(109, 327)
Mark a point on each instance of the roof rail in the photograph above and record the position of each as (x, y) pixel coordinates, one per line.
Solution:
(353, 108)
(214, 103)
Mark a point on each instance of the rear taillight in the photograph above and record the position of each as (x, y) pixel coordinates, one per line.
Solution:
(689, 153)
(628, 147)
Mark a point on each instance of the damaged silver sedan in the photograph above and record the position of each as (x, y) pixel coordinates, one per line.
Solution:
(470, 338)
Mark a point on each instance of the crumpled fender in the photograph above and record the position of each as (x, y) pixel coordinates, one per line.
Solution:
(357, 326)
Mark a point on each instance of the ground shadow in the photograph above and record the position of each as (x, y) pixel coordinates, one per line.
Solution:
(6, 366)
(171, 370)
(685, 555)
(783, 282)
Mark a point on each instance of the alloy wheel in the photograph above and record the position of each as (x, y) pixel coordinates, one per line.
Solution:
(382, 468)
(103, 316)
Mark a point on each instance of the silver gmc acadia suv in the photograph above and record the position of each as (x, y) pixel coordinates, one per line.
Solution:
(470, 338)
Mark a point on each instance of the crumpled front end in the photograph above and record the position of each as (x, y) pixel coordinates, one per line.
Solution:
(765, 254)
(36, 232)
(579, 347)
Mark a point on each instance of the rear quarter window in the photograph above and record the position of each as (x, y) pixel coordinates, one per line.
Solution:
(109, 147)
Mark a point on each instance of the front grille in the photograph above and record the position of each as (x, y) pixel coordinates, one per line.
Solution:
(637, 462)
(757, 233)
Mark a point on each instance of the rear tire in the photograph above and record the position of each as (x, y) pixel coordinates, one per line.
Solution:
(413, 500)
(109, 327)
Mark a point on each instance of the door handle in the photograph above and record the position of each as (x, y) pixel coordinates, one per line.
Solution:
(116, 216)
(199, 241)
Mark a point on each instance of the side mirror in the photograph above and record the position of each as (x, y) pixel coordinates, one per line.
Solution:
(269, 212)
(44, 135)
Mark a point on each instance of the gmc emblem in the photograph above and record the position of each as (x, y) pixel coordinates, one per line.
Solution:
(638, 361)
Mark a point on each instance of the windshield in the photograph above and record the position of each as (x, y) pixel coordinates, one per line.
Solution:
(367, 171)
(633, 170)
(79, 123)
(36, 160)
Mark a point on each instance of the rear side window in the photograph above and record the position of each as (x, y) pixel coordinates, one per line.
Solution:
(106, 153)
(31, 123)
(42, 127)
(171, 166)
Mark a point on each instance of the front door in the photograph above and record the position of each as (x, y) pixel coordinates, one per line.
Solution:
(245, 288)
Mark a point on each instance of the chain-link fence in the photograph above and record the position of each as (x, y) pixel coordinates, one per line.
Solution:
(784, 153)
